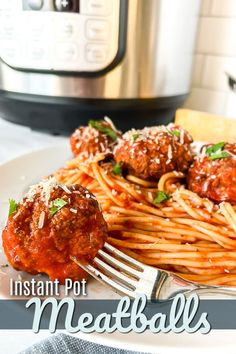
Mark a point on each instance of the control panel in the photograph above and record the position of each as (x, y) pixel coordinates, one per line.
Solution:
(60, 35)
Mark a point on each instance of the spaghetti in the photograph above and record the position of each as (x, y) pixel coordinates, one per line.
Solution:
(186, 234)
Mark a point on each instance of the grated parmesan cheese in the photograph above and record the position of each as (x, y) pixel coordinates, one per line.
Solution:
(45, 187)
(182, 136)
(113, 192)
(41, 220)
(65, 188)
(109, 121)
(73, 210)
(102, 146)
(169, 153)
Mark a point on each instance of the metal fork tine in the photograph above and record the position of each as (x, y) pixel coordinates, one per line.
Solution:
(102, 278)
(112, 271)
(117, 263)
(123, 256)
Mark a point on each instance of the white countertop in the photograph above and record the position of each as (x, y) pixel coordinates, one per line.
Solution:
(14, 141)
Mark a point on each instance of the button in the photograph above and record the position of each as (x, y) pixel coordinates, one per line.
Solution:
(37, 31)
(37, 52)
(37, 28)
(96, 53)
(66, 51)
(66, 29)
(10, 49)
(95, 7)
(65, 5)
(8, 30)
(35, 4)
(97, 30)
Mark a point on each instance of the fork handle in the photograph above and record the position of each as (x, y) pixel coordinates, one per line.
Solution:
(215, 290)
(171, 285)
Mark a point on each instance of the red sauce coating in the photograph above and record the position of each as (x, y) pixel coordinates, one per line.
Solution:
(151, 152)
(215, 179)
(77, 229)
(88, 141)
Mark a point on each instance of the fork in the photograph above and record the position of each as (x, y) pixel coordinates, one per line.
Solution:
(128, 276)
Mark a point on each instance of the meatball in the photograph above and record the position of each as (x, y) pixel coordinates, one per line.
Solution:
(52, 223)
(98, 137)
(214, 179)
(153, 151)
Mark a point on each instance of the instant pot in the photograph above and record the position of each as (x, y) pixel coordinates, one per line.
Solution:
(66, 61)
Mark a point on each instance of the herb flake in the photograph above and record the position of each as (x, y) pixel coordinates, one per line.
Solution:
(174, 132)
(214, 148)
(103, 129)
(12, 206)
(117, 169)
(57, 204)
(135, 136)
(161, 197)
(215, 151)
(220, 155)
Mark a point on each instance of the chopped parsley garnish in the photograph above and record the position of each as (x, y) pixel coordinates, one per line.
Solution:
(214, 148)
(57, 204)
(161, 197)
(135, 136)
(220, 155)
(174, 132)
(12, 206)
(117, 169)
(103, 129)
(215, 151)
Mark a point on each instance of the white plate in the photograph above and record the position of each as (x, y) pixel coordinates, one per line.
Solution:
(15, 177)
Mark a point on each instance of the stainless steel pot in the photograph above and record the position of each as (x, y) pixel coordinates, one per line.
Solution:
(63, 64)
